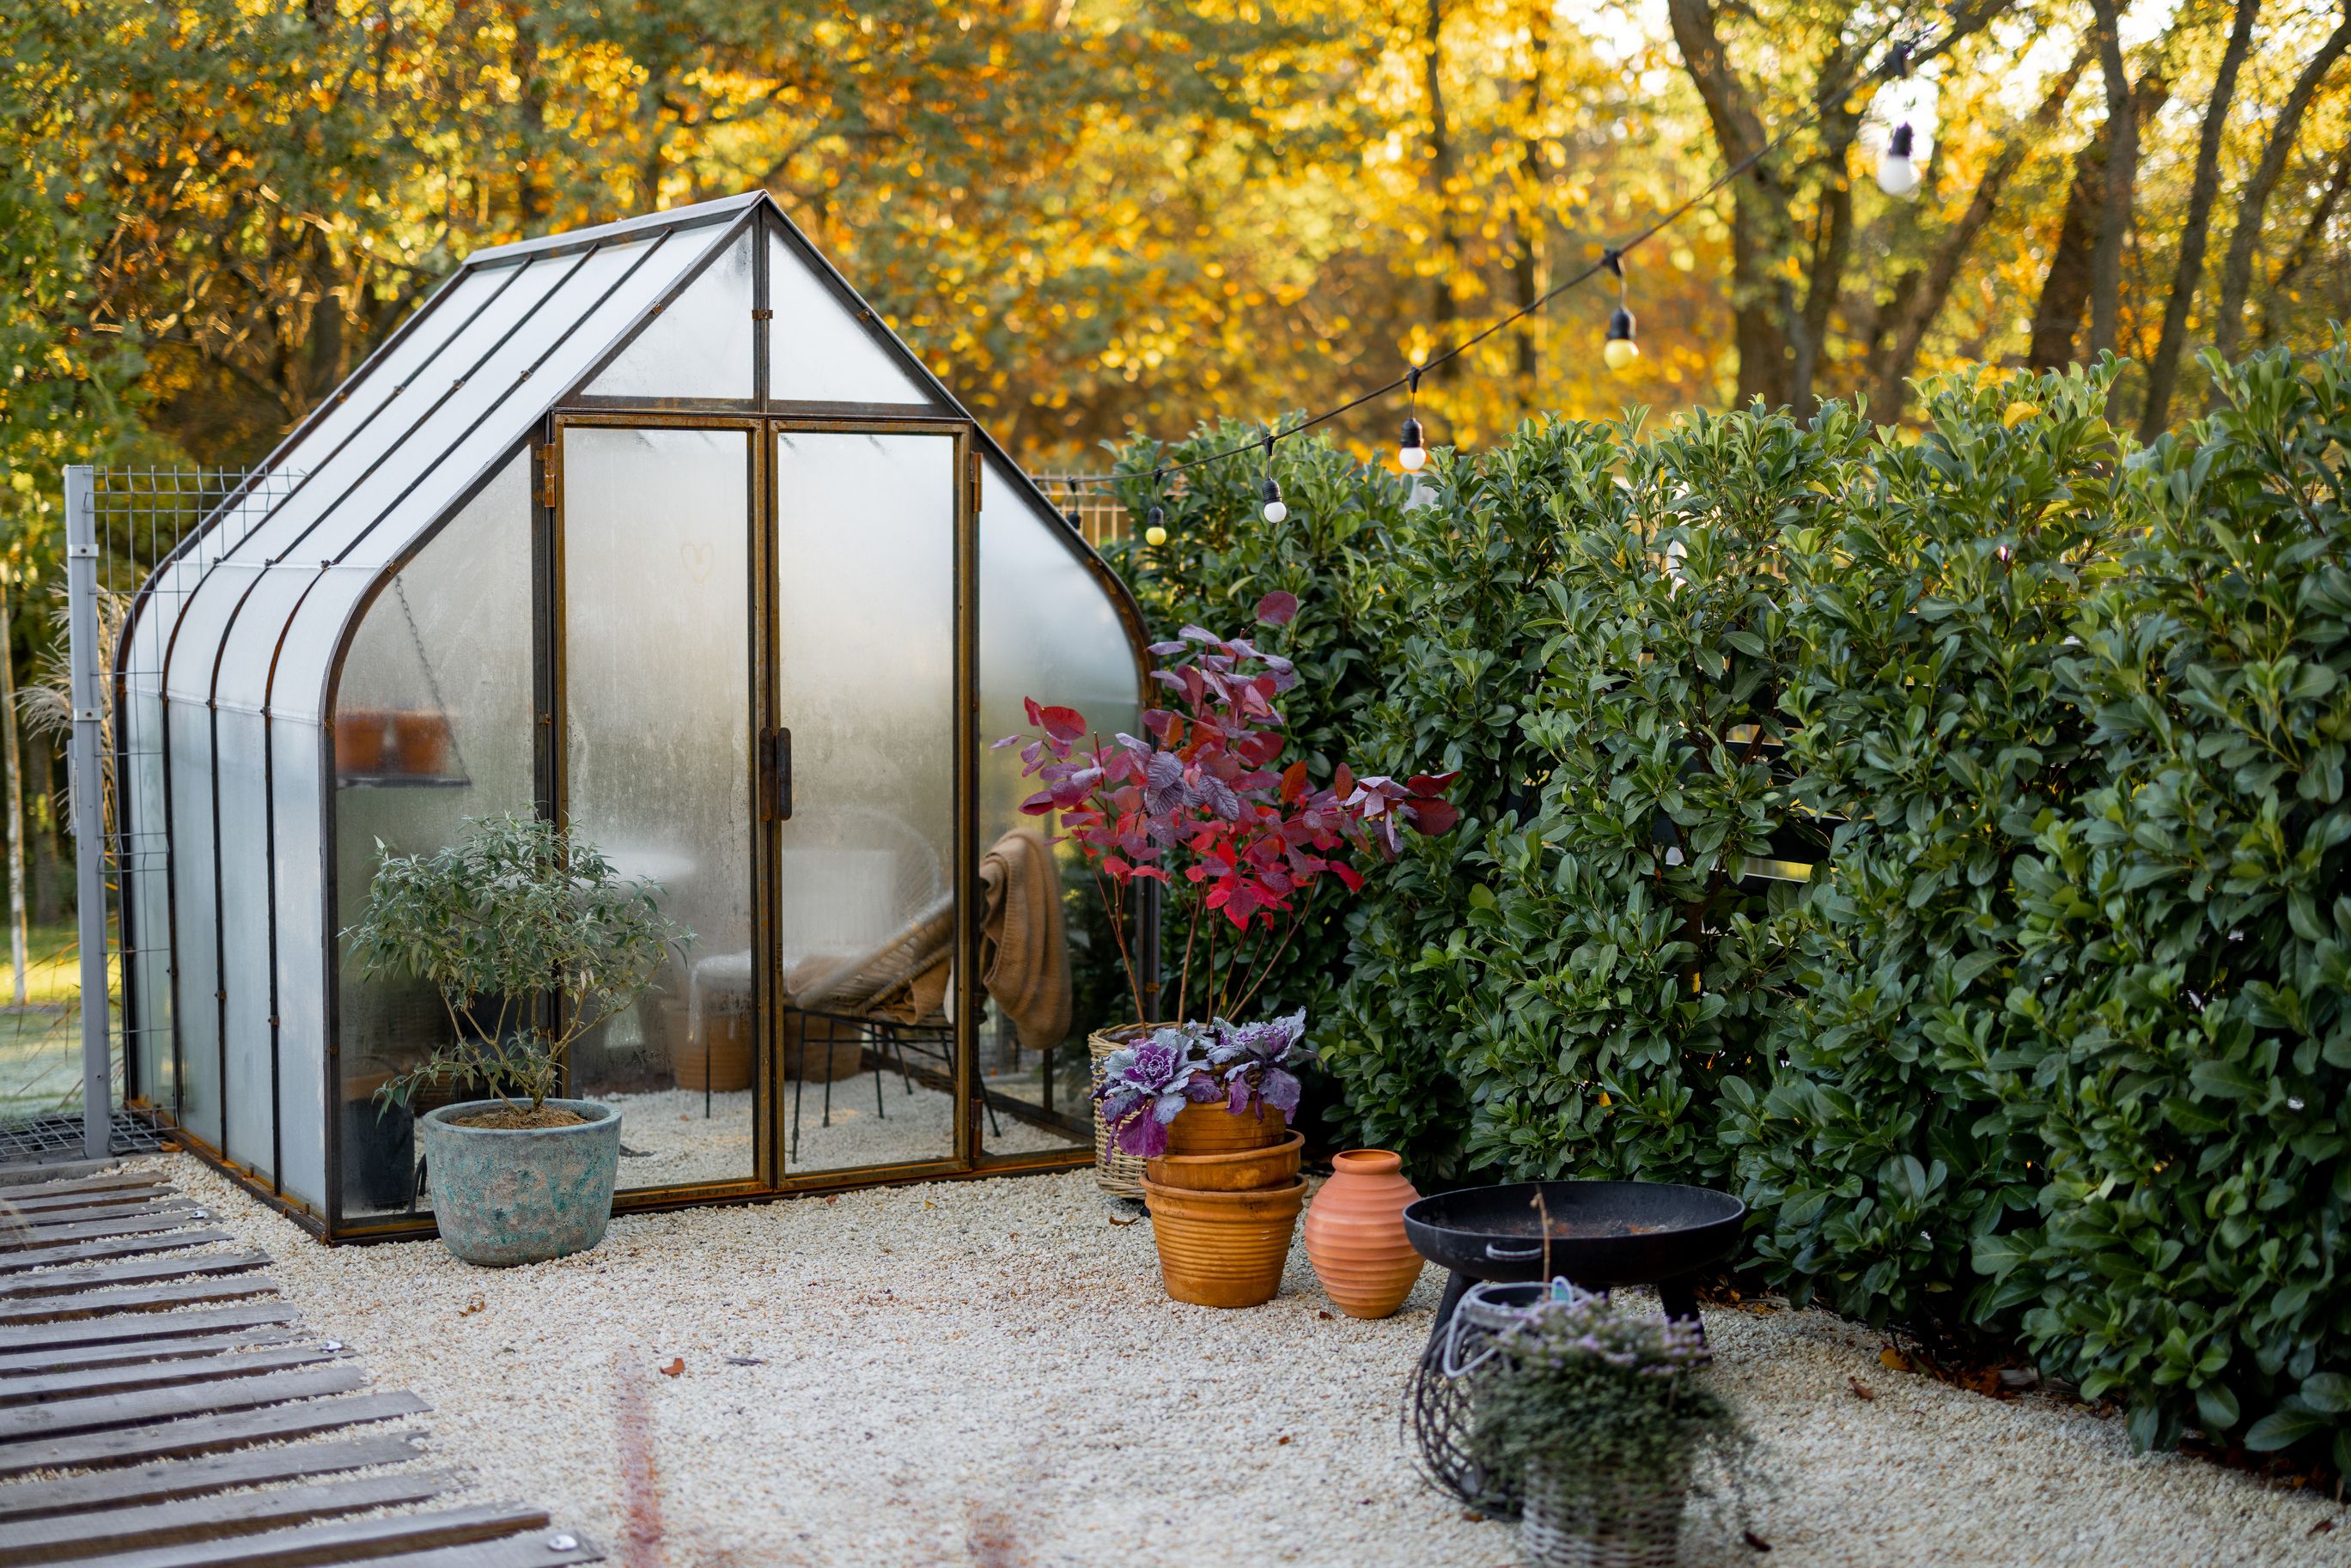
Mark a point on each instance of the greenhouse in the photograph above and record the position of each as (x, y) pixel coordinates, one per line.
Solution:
(656, 530)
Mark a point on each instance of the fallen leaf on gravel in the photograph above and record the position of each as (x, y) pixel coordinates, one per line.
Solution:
(1320, 1313)
(746, 1361)
(2323, 1527)
(1283, 1439)
(472, 1305)
(1471, 1516)
(832, 1198)
(1755, 1540)
(1116, 1220)
(1894, 1360)
(1861, 1388)
(675, 1367)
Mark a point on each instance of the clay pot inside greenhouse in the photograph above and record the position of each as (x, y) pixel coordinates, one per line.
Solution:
(1224, 1248)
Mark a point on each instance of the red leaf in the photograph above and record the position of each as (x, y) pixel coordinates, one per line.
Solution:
(1348, 875)
(1277, 607)
(1037, 804)
(1343, 782)
(1061, 723)
(1433, 816)
(1424, 784)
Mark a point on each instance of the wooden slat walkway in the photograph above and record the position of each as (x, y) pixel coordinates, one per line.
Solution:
(140, 1378)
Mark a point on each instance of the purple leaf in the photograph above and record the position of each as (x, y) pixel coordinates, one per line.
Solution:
(1277, 607)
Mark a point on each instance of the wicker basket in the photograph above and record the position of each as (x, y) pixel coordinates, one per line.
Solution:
(1120, 1175)
(1603, 1521)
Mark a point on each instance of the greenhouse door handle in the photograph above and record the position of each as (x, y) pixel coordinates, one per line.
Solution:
(776, 775)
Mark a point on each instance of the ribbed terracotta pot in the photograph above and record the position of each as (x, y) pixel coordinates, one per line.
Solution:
(1354, 1233)
(1212, 1130)
(1224, 1248)
(1239, 1171)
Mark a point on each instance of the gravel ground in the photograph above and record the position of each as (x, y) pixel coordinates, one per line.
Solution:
(985, 1374)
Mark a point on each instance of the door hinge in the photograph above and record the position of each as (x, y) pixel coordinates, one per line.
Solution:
(550, 486)
(775, 775)
(973, 479)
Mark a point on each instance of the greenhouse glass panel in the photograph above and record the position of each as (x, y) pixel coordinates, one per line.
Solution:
(657, 756)
(196, 974)
(433, 725)
(865, 677)
(816, 350)
(249, 1097)
(301, 943)
(700, 345)
(1048, 629)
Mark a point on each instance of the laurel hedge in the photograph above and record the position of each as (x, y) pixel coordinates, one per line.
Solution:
(2051, 1044)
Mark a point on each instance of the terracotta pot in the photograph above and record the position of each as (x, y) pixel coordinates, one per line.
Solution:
(361, 734)
(419, 742)
(1224, 1248)
(1354, 1233)
(1244, 1170)
(1212, 1130)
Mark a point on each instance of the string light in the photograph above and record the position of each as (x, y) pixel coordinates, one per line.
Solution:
(1897, 167)
(1275, 512)
(1897, 172)
(1620, 351)
(1157, 533)
(1413, 455)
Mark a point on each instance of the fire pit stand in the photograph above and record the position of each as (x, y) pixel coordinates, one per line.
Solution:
(1517, 1238)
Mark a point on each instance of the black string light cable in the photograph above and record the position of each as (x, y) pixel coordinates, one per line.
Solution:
(1895, 64)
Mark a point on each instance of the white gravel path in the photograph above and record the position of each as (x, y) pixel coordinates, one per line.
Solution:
(985, 1374)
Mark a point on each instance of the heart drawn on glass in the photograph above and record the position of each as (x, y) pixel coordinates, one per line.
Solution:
(699, 557)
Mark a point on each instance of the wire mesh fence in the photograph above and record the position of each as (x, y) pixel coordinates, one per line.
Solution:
(135, 518)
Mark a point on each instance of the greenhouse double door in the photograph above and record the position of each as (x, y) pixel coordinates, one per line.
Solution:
(760, 702)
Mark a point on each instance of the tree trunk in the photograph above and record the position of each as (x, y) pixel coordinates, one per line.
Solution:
(532, 200)
(1915, 309)
(1758, 205)
(2252, 203)
(2065, 287)
(48, 886)
(2163, 371)
(2121, 178)
(2313, 231)
(1526, 266)
(1440, 182)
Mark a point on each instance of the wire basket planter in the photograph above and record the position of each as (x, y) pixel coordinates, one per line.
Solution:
(1603, 1521)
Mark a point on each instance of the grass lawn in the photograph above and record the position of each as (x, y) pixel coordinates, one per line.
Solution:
(40, 1043)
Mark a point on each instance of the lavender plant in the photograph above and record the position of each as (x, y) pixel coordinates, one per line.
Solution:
(1595, 1391)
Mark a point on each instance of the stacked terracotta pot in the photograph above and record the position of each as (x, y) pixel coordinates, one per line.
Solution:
(1224, 1201)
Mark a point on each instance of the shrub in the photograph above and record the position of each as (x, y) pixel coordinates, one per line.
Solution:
(2185, 1046)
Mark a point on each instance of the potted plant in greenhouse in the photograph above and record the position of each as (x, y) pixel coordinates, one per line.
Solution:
(1599, 1411)
(1203, 805)
(532, 941)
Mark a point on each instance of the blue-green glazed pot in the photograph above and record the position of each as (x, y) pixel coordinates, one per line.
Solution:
(521, 1195)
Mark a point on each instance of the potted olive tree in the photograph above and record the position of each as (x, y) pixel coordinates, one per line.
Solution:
(532, 940)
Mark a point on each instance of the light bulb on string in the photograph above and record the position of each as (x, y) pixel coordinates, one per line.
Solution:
(1620, 351)
(1157, 533)
(1897, 166)
(1271, 491)
(1412, 455)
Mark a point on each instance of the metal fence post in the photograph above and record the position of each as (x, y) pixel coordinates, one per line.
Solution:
(88, 797)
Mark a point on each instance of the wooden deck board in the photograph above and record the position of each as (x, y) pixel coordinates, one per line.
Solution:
(133, 1327)
(171, 1478)
(134, 1272)
(15, 1238)
(50, 1202)
(76, 1359)
(189, 1519)
(103, 1412)
(357, 1541)
(100, 1251)
(205, 1434)
(91, 1381)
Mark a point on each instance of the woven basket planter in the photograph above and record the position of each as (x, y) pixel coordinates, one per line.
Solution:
(1120, 1175)
(1603, 1521)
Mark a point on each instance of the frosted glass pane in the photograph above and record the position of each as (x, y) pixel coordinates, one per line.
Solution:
(816, 350)
(865, 681)
(301, 964)
(146, 892)
(197, 980)
(434, 724)
(249, 1098)
(1048, 629)
(657, 692)
(700, 347)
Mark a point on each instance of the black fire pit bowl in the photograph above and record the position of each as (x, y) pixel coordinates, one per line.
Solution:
(1602, 1234)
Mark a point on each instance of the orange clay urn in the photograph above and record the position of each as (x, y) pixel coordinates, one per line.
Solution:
(1354, 1233)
